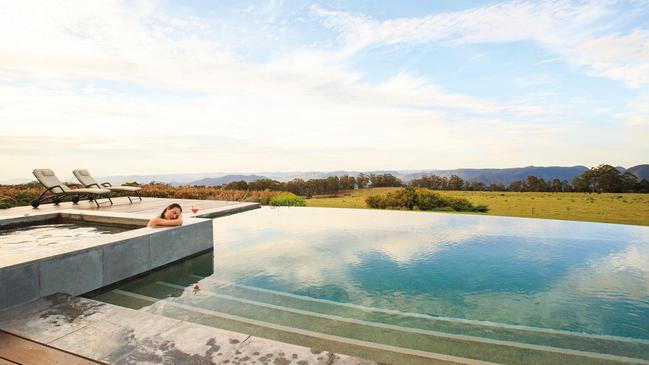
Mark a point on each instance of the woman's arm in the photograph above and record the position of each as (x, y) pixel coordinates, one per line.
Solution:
(161, 222)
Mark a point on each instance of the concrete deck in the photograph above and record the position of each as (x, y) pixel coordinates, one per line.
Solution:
(117, 335)
(147, 208)
(18, 350)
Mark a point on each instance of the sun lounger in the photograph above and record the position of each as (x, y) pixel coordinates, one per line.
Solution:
(88, 181)
(58, 190)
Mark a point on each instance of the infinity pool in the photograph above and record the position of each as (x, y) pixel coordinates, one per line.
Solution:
(412, 287)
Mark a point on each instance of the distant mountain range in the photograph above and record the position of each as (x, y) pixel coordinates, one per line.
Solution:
(641, 171)
(506, 176)
(487, 176)
(215, 181)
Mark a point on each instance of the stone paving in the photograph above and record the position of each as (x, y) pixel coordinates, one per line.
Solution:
(119, 335)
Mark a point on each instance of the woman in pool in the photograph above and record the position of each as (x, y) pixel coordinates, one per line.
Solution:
(171, 216)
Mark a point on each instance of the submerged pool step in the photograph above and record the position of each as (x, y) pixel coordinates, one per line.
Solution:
(319, 325)
(370, 350)
(516, 333)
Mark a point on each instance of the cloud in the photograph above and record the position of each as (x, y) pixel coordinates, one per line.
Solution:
(112, 70)
(108, 41)
(583, 33)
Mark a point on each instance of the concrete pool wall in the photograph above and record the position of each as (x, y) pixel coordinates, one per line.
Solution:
(89, 264)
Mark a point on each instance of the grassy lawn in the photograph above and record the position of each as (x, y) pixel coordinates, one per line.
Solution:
(608, 208)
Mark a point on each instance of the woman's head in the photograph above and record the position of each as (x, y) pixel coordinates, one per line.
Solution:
(172, 212)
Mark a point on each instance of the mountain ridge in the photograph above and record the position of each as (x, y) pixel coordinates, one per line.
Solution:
(485, 175)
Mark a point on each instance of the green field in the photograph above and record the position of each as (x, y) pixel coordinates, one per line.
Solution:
(609, 208)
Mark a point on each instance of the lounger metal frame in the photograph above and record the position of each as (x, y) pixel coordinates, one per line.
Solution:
(76, 196)
(107, 184)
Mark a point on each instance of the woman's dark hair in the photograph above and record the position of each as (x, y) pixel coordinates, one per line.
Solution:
(172, 206)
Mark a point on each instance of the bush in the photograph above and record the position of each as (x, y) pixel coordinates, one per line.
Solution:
(421, 199)
(18, 195)
(206, 193)
(480, 208)
(459, 204)
(429, 200)
(286, 199)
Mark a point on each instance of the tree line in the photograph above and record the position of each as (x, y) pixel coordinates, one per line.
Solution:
(600, 179)
(310, 187)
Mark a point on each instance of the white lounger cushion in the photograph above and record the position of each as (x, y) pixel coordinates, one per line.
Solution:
(89, 191)
(123, 188)
(84, 177)
(87, 180)
(49, 179)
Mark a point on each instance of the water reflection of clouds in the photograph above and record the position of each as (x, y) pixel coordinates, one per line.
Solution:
(621, 275)
(608, 295)
(303, 248)
(314, 239)
(305, 242)
(258, 224)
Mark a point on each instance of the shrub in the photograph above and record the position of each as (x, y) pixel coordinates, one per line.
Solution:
(459, 204)
(421, 199)
(287, 199)
(374, 201)
(158, 190)
(429, 200)
(17, 195)
(394, 200)
(480, 208)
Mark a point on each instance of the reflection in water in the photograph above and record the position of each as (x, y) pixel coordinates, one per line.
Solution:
(573, 276)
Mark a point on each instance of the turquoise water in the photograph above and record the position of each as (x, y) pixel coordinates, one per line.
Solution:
(535, 290)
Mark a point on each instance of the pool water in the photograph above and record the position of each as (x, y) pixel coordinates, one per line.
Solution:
(413, 287)
(24, 238)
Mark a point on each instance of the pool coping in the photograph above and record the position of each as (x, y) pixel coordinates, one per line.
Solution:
(82, 245)
(88, 264)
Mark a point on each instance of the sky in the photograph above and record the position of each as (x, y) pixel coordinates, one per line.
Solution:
(151, 87)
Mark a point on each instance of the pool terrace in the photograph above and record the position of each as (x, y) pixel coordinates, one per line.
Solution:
(307, 284)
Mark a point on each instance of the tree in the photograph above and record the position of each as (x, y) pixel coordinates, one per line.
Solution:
(331, 185)
(566, 187)
(608, 179)
(584, 182)
(629, 182)
(516, 186)
(297, 186)
(475, 186)
(384, 180)
(536, 184)
(556, 186)
(601, 179)
(455, 183)
(266, 184)
(497, 187)
(431, 182)
(362, 180)
(347, 182)
(643, 186)
(236, 185)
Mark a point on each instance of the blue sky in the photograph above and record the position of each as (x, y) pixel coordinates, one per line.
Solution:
(160, 86)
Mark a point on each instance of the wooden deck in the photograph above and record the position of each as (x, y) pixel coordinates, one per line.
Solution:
(15, 349)
(148, 207)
